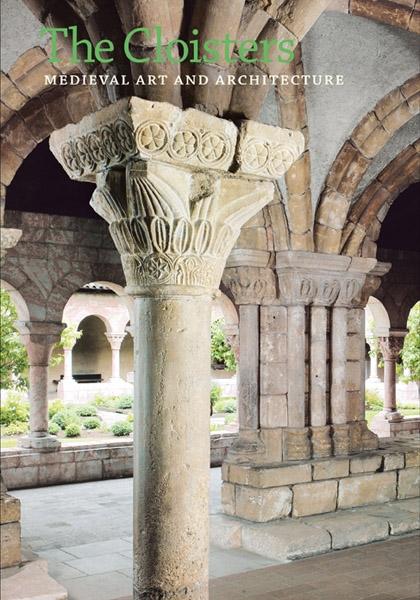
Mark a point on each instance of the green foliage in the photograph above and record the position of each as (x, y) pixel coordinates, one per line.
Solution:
(68, 338)
(54, 407)
(122, 428)
(92, 423)
(124, 402)
(13, 356)
(16, 428)
(14, 409)
(215, 396)
(64, 417)
(230, 406)
(86, 410)
(230, 419)
(101, 401)
(221, 351)
(130, 417)
(373, 400)
(53, 428)
(411, 351)
(72, 429)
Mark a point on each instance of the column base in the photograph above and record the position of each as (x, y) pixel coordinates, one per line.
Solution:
(248, 448)
(46, 443)
(296, 445)
(321, 441)
(341, 439)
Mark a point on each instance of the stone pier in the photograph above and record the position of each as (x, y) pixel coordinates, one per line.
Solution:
(175, 187)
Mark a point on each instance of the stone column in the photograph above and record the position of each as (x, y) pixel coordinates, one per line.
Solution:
(391, 347)
(39, 340)
(68, 364)
(115, 340)
(250, 287)
(175, 188)
(373, 360)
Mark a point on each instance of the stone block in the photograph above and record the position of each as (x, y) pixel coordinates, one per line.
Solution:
(285, 541)
(10, 545)
(393, 461)
(273, 319)
(89, 470)
(331, 469)
(314, 498)
(266, 477)
(348, 530)
(261, 505)
(273, 411)
(24, 477)
(412, 459)
(399, 521)
(225, 532)
(409, 483)
(367, 489)
(273, 347)
(412, 506)
(117, 467)
(9, 509)
(33, 577)
(228, 493)
(57, 473)
(273, 379)
(365, 464)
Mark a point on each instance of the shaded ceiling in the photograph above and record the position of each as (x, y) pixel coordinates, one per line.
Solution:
(41, 185)
(400, 229)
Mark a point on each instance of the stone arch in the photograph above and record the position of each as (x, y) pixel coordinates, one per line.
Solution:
(31, 111)
(354, 158)
(19, 302)
(378, 313)
(404, 14)
(369, 211)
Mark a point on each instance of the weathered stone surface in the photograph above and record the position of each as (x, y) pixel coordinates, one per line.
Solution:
(10, 545)
(261, 505)
(314, 498)
(225, 532)
(285, 541)
(331, 469)
(393, 461)
(399, 521)
(367, 489)
(412, 459)
(273, 411)
(266, 477)
(365, 464)
(32, 577)
(409, 483)
(9, 509)
(228, 498)
(349, 529)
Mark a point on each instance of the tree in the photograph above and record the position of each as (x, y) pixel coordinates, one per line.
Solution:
(13, 356)
(221, 351)
(68, 338)
(411, 350)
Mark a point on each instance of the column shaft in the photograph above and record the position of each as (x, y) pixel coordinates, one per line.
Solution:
(115, 368)
(338, 365)
(248, 387)
(318, 406)
(38, 400)
(172, 448)
(68, 363)
(390, 381)
(296, 366)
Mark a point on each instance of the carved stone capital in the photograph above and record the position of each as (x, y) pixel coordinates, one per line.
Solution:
(250, 285)
(175, 186)
(39, 339)
(137, 129)
(391, 346)
(372, 282)
(115, 340)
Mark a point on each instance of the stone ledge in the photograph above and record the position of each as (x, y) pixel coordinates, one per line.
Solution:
(84, 462)
(289, 539)
(31, 582)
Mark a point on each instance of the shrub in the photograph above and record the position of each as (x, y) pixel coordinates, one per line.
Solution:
(103, 401)
(72, 430)
(130, 417)
(14, 409)
(64, 417)
(16, 428)
(53, 428)
(122, 428)
(92, 423)
(230, 406)
(215, 396)
(373, 400)
(55, 407)
(87, 410)
(124, 402)
(221, 351)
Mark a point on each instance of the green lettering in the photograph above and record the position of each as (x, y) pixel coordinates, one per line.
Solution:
(245, 48)
(53, 31)
(104, 46)
(127, 41)
(283, 47)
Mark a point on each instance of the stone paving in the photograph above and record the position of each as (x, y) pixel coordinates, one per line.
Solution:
(84, 531)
